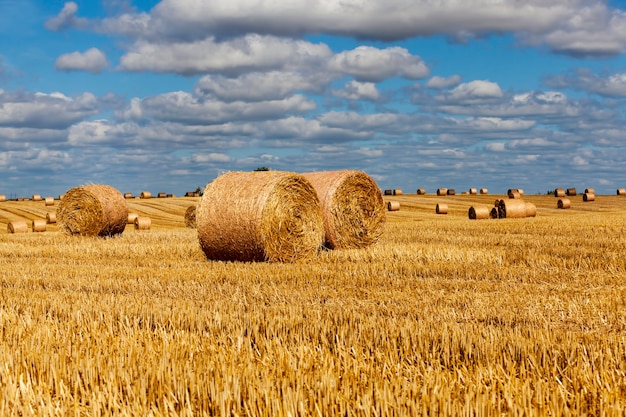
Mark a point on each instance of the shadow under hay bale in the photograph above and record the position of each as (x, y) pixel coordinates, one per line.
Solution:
(18, 226)
(260, 216)
(353, 208)
(92, 210)
(190, 217)
(393, 206)
(478, 213)
(564, 203)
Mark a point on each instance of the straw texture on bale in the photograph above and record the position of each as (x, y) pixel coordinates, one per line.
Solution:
(421, 191)
(559, 192)
(190, 217)
(49, 201)
(512, 209)
(145, 194)
(92, 210)
(442, 191)
(397, 191)
(143, 223)
(18, 226)
(39, 225)
(484, 191)
(353, 208)
(131, 218)
(571, 191)
(441, 208)
(393, 206)
(531, 209)
(451, 191)
(621, 191)
(473, 191)
(260, 216)
(3, 197)
(590, 191)
(51, 217)
(564, 203)
(478, 212)
(589, 197)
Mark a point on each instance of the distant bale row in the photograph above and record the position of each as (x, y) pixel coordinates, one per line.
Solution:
(512, 208)
(395, 191)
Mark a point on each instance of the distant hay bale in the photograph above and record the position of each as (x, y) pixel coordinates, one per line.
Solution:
(51, 217)
(170, 196)
(388, 192)
(442, 191)
(564, 203)
(531, 209)
(441, 208)
(421, 191)
(61, 196)
(473, 191)
(260, 216)
(478, 212)
(18, 226)
(484, 191)
(143, 223)
(620, 191)
(353, 208)
(397, 191)
(49, 201)
(131, 218)
(37, 197)
(3, 198)
(190, 217)
(590, 191)
(514, 193)
(162, 195)
(571, 192)
(451, 191)
(128, 195)
(145, 194)
(39, 225)
(512, 209)
(92, 210)
(393, 206)
(589, 197)
(559, 192)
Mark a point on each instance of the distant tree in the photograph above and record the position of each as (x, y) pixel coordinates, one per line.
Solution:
(262, 169)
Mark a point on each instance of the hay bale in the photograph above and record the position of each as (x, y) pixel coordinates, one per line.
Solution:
(478, 212)
(421, 191)
(131, 218)
(92, 210)
(397, 191)
(514, 193)
(531, 209)
(473, 191)
(190, 217)
(353, 208)
(260, 216)
(37, 197)
(388, 192)
(512, 209)
(571, 192)
(441, 208)
(484, 191)
(49, 201)
(393, 206)
(451, 191)
(162, 195)
(589, 197)
(559, 192)
(51, 217)
(128, 195)
(39, 225)
(621, 191)
(143, 223)
(442, 191)
(564, 203)
(18, 226)
(590, 191)
(145, 194)
(3, 198)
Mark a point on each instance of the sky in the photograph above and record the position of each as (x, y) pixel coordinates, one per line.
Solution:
(164, 96)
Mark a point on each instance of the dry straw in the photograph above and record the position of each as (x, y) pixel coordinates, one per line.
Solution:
(51, 217)
(260, 216)
(143, 223)
(589, 197)
(93, 210)
(564, 203)
(393, 206)
(571, 192)
(621, 191)
(484, 191)
(421, 191)
(531, 209)
(353, 208)
(559, 192)
(442, 191)
(441, 208)
(479, 212)
(39, 225)
(512, 209)
(190, 217)
(131, 218)
(18, 226)
(145, 194)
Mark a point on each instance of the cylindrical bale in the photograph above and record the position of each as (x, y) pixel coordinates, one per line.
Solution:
(442, 191)
(514, 193)
(512, 209)
(564, 203)
(162, 195)
(260, 216)
(451, 191)
(92, 210)
(441, 208)
(393, 206)
(388, 192)
(18, 226)
(484, 191)
(353, 208)
(479, 212)
(559, 192)
(49, 201)
(570, 191)
(397, 191)
(145, 194)
(143, 223)
(3, 198)
(621, 191)
(473, 191)
(590, 191)
(39, 225)
(589, 197)
(51, 217)
(421, 191)
(190, 217)
(128, 195)
(531, 209)
(131, 218)
(37, 197)
(494, 213)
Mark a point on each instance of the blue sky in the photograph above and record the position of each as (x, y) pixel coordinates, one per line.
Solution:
(164, 96)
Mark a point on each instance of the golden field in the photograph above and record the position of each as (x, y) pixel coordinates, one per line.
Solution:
(444, 316)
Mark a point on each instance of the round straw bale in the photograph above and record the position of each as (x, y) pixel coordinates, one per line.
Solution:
(442, 191)
(3, 197)
(39, 225)
(451, 191)
(388, 192)
(18, 226)
(570, 191)
(478, 212)
(421, 191)
(484, 191)
(131, 218)
(393, 206)
(590, 191)
(37, 197)
(473, 191)
(621, 191)
(494, 213)
(397, 191)
(353, 208)
(512, 209)
(128, 195)
(260, 216)
(531, 209)
(441, 208)
(145, 194)
(589, 197)
(190, 217)
(49, 201)
(51, 217)
(514, 193)
(559, 192)
(92, 210)
(161, 195)
(143, 223)
(564, 203)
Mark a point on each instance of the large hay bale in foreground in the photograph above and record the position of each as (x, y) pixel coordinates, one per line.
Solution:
(479, 212)
(353, 208)
(260, 216)
(92, 210)
(18, 226)
(190, 217)
(514, 208)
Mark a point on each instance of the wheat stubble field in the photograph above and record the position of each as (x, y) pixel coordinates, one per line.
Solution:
(444, 316)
